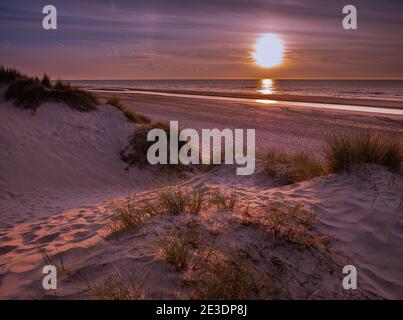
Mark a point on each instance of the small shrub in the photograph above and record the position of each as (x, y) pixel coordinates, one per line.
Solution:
(290, 169)
(344, 150)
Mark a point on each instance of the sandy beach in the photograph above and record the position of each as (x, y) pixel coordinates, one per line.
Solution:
(280, 125)
(61, 181)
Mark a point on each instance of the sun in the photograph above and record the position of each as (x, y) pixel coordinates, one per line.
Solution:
(268, 51)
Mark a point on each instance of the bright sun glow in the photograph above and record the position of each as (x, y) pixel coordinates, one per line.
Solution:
(268, 51)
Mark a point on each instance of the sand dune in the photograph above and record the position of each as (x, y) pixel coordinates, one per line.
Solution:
(59, 158)
(61, 176)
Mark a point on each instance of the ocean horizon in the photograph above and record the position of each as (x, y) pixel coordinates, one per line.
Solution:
(356, 89)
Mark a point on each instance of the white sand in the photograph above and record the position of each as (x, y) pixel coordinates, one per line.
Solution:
(59, 158)
(59, 168)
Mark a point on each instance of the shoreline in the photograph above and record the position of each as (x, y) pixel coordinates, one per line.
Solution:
(357, 105)
(379, 103)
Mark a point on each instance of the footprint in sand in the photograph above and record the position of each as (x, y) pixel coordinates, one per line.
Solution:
(48, 238)
(6, 249)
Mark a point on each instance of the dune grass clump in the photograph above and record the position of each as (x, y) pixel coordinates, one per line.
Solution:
(176, 201)
(177, 250)
(291, 222)
(75, 98)
(118, 287)
(289, 169)
(222, 200)
(30, 93)
(346, 150)
(135, 153)
(8, 75)
(27, 93)
(229, 279)
(130, 115)
(130, 213)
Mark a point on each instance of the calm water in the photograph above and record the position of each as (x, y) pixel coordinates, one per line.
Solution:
(372, 89)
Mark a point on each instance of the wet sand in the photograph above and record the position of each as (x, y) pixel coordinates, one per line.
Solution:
(280, 98)
(283, 125)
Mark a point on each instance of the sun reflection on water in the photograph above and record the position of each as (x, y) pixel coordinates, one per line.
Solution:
(266, 86)
(265, 101)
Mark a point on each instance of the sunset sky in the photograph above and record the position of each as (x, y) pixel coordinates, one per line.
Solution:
(160, 39)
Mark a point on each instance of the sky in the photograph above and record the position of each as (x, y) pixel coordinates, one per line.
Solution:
(206, 39)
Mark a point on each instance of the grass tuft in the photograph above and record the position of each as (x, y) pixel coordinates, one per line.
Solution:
(131, 212)
(345, 150)
(178, 200)
(178, 250)
(127, 215)
(228, 280)
(118, 287)
(222, 200)
(8, 75)
(292, 222)
(30, 93)
(290, 169)
(130, 115)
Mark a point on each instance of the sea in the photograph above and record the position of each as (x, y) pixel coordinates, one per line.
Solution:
(360, 89)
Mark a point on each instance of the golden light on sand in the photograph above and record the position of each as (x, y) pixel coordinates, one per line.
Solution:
(268, 51)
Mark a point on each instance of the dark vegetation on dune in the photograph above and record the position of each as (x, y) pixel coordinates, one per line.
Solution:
(343, 152)
(135, 153)
(346, 150)
(29, 93)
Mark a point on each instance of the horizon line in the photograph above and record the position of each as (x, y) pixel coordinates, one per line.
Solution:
(236, 79)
